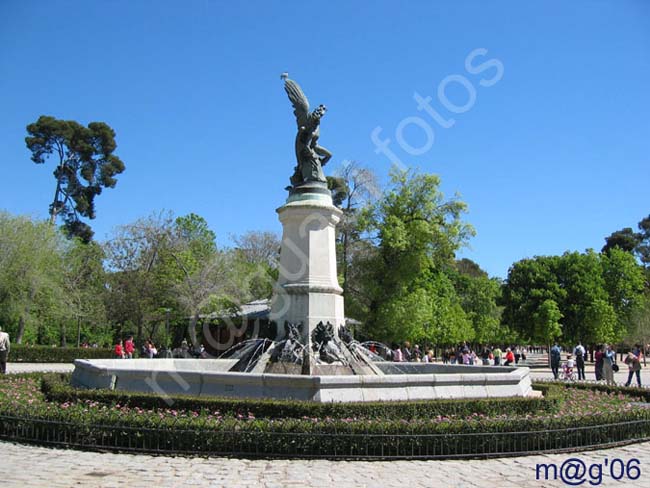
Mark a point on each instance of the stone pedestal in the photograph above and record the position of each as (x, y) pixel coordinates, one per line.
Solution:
(307, 291)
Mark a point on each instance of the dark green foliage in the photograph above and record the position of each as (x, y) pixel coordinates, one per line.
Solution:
(595, 295)
(629, 241)
(467, 267)
(633, 391)
(643, 248)
(339, 189)
(45, 354)
(86, 164)
(407, 292)
(625, 239)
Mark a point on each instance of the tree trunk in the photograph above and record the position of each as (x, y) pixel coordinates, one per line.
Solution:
(64, 339)
(21, 330)
(192, 329)
(78, 331)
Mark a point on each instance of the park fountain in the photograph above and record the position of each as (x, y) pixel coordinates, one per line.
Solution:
(314, 357)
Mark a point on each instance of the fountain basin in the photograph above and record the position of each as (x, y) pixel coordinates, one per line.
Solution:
(210, 377)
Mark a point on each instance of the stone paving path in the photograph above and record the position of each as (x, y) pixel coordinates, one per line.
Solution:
(30, 466)
(39, 367)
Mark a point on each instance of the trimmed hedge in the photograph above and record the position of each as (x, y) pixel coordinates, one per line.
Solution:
(46, 354)
(56, 387)
(642, 393)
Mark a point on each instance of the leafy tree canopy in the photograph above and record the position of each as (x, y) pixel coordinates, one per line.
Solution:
(416, 233)
(85, 164)
(625, 239)
(595, 294)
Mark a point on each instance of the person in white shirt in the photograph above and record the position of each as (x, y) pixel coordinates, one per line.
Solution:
(5, 346)
(579, 352)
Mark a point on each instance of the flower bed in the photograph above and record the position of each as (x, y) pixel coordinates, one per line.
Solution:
(574, 418)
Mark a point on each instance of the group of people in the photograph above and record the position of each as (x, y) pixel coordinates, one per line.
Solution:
(463, 354)
(604, 357)
(408, 354)
(126, 349)
(484, 355)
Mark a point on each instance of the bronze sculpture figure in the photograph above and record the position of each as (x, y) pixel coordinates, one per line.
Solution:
(310, 157)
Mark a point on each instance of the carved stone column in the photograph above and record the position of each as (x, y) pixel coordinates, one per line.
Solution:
(307, 290)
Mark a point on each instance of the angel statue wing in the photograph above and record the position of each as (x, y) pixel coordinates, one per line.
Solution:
(298, 100)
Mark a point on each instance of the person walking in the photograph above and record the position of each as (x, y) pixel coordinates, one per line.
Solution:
(609, 360)
(407, 355)
(598, 358)
(497, 353)
(5, 346)
(580, 353)
(510, 357)
(485, 356)
(634, 368)
(397, 354)
(129, 348)
(119, 349)
(556, 354)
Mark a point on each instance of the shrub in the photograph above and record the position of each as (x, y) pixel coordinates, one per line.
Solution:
(641, 393)
(46, 354)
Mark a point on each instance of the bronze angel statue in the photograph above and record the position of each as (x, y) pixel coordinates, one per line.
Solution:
(310, 157)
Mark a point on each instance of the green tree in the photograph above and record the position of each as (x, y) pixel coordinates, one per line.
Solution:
(595, 293)
(600, 322)
(30, 276)
(625, 239)
(546, 322)
(479, 296)
(529, 284)
(643, 247)
(416, 233)
(85, 166)
(580, 275)
(255, 260)
(467, 267)
(204, 275)
(624, 283)
(354, 188)
(638, 331)
(140, 280)
(84, 282)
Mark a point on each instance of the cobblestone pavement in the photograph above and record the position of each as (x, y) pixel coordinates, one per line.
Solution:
(30, 466)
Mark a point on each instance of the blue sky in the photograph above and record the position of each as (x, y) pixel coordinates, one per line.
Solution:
(553, 156)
